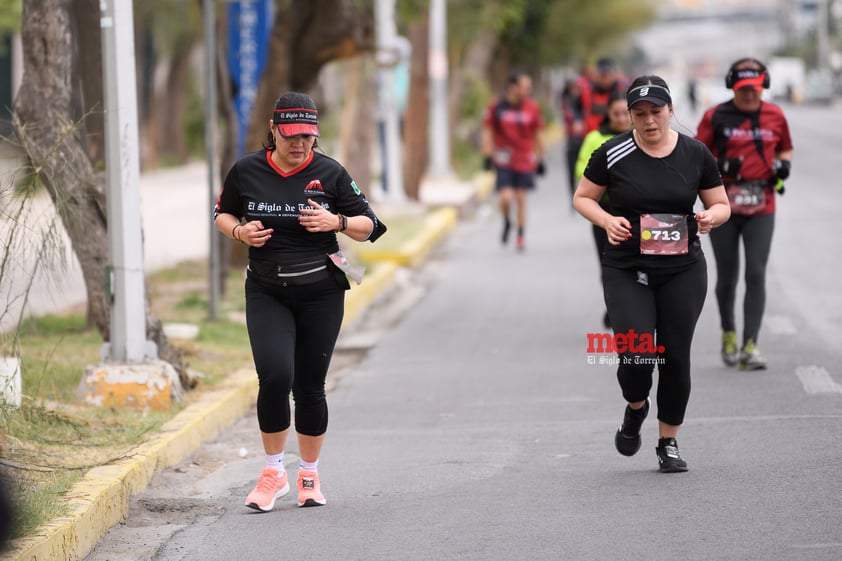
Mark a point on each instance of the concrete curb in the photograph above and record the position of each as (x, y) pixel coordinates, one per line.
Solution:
(101, 499)
(415, 251)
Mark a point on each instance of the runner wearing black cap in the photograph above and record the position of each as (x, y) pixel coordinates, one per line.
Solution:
(596, 95)
(287, 203)
(654, 271)
(750, 139)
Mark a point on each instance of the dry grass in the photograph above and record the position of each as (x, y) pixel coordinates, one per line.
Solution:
(51, 440)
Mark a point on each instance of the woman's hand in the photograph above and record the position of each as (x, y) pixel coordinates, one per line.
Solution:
(317, 219)
(705, 221)
(253, 234)
(717, 209)
(618, 229)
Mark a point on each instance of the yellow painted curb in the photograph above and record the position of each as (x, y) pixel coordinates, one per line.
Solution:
(415, 251)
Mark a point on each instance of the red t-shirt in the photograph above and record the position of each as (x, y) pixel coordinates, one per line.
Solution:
(515, 129)
(595, 101)
(731, 133)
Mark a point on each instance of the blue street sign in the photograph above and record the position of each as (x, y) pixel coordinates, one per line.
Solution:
(249, 25)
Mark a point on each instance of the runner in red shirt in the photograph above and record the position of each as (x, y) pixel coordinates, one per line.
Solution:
(596, 95)
(750, 139)
(511, 143)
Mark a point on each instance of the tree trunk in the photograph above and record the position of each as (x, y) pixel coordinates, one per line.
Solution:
(416, 121)
(87, 80)
(168, 109)
(55, 142)
(356, 132)
(53, 139)
(300, 46)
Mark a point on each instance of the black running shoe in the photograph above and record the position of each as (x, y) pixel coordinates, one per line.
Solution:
(627, 439)
(669, 458)
(506, 227)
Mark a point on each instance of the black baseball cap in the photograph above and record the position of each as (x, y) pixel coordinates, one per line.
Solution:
(605, 65)
(652, 93)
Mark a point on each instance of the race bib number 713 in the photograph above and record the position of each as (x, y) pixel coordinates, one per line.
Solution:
(663, 234)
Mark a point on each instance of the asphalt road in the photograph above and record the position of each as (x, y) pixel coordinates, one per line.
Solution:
(474, 428)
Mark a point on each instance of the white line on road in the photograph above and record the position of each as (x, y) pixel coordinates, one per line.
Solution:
(816, 379)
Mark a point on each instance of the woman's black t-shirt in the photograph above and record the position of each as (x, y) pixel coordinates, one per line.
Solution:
(256, 189)
(637, 184)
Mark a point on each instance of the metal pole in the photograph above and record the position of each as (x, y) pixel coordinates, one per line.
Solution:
(387, 54)
(128, 310)
(209, 13)
(439, 122)
(822, 35)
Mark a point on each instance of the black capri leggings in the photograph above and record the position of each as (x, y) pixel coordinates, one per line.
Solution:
(667, 308)
(293, 331)
(756, 232)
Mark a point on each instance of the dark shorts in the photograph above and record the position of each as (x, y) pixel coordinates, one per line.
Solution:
(507, 178)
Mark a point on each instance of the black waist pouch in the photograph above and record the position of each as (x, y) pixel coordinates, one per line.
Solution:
(293, 274)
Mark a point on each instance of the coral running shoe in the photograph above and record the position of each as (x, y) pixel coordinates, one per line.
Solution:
(270, 486)
(309, 490)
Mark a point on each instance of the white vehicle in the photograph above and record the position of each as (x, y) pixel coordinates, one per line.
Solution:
(787, 76)
(818, 88)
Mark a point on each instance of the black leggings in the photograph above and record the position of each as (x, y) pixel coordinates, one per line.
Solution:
(667, 308)
(756, 232)
(293, 331)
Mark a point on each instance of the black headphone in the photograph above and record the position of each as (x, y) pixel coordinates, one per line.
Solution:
(733, 74)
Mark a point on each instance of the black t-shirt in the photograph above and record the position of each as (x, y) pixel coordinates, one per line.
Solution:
(255, 188)
(639, 184)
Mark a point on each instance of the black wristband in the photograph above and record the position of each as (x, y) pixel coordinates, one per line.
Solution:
(782, 168)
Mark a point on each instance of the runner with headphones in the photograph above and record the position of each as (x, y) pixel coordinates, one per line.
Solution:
(750, 139)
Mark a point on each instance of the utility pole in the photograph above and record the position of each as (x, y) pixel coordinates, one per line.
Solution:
(209, 17)
(387, 59)
(787, 19)
(439, 118)
(822, 35)
(131, 374)
(128, 291)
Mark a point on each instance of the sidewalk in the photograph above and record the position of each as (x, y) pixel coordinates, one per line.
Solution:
(179, 198)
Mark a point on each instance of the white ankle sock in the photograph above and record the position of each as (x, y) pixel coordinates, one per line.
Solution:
(275, 461)
(309, 466)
